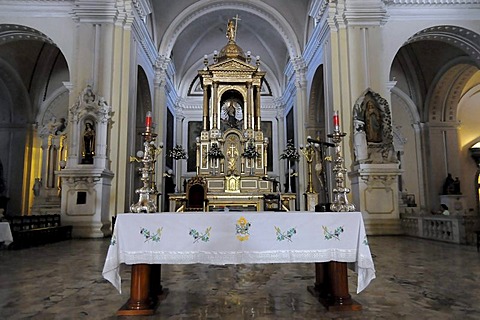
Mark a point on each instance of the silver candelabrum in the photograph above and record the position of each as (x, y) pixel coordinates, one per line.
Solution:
(148, 192)
(340, 202)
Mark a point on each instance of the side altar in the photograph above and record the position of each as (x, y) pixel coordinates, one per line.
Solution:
(231, 151)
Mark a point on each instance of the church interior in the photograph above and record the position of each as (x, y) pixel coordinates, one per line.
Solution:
(155, 106)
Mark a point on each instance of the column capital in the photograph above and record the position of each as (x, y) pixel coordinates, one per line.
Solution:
(86, 11)
(161, 68)
(300, 68)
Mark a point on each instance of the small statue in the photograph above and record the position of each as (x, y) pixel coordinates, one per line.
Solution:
(88, 143)
(373, 123)
(231, 30)
(360, 141)
(37, 186)
(448, 187)
(456, 186)
(60, 126)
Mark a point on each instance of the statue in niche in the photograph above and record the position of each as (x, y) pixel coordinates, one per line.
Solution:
(88, 142)
(373, 123)
(231, 113)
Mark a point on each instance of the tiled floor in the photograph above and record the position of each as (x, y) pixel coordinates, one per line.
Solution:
(416, 279)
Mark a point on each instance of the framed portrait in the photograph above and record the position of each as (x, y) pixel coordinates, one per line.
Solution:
(169, 139)
(194, 131)
(266, 127)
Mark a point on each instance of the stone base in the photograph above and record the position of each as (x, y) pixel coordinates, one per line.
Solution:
(88, 229)
(383, 226)
(85, 201)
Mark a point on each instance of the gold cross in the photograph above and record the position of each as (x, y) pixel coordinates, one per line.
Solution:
(236, 18)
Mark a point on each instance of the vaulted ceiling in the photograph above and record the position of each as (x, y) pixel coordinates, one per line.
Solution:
(187, 30)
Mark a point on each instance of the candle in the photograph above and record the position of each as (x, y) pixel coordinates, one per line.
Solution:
(336, 121)
(148, 119)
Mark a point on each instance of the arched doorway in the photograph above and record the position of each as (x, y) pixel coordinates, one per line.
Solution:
(33, 71)
(433, 71)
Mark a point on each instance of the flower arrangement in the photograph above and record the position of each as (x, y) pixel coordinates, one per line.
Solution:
(177, 153)
(290, 153)
(250, 151)
(215, 152)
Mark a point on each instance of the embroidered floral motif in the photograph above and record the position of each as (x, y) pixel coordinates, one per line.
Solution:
(205, 237)
(113, 241)
(150, 235)
(242, 227)
(285, 235)
(335, 234)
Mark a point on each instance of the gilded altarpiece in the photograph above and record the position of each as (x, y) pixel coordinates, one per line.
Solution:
(231, 149)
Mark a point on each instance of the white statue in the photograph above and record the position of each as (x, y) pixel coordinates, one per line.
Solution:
(360, 140)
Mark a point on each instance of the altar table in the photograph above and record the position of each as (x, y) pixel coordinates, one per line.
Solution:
(5, 233)
(239, 238)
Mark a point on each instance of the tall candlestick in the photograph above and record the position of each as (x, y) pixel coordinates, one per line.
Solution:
(148, 119)
(336, 122)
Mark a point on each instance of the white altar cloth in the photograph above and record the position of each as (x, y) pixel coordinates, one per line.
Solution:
(5, 233)
(239, 238)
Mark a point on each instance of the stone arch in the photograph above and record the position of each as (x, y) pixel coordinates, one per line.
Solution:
(14, 32)
(37, 100)
(459, 37)
(316, 106)
(13, 84)
(443, 99)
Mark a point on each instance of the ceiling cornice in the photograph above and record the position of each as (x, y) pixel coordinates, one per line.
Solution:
(43, 8)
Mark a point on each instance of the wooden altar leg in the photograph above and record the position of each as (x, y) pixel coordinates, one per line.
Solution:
(331, 287)
(341, 299)
(321, 288)
(140, 302)
(157, 291)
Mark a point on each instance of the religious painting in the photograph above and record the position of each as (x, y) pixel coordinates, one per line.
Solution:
(169, 139)
(194, 131)
(266, 127)
(290, 137)
(290, 126)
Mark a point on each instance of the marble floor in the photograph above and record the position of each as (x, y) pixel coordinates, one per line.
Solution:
(416, 279)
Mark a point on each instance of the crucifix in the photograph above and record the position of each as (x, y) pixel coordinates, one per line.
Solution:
(232, 158)
(236, 18)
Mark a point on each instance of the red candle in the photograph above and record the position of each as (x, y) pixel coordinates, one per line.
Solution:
(336, 121)
(148, 119)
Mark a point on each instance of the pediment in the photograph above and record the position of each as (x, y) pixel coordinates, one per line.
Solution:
(233, 65)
